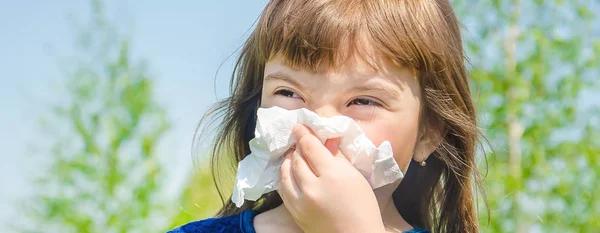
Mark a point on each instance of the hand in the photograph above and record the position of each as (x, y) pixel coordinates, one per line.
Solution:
(323, 191)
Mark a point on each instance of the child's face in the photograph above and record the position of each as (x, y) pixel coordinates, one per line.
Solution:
(385, 103)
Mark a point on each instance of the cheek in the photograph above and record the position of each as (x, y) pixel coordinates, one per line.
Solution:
(402, 134)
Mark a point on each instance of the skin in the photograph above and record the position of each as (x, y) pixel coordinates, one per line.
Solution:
(321, 190)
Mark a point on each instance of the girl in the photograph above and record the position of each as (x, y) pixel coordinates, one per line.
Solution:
(394, 66)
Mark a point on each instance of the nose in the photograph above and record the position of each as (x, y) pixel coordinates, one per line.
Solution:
(326, 110)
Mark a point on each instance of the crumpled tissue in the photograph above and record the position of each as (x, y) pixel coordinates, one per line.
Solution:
(258, 173)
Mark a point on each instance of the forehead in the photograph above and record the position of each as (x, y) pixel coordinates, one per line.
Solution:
(358, 53)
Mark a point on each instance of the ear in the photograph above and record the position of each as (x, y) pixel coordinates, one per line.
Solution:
(429, 139)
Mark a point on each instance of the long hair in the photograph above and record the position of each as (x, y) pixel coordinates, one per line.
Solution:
(422, 35)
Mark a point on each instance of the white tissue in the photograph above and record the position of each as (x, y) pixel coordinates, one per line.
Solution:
(258, 173)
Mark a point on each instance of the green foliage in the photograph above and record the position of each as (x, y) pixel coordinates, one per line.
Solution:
(199, 200)
(104, 175)
(531, 65)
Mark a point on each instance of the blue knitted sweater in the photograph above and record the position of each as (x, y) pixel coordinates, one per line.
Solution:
(239, 223)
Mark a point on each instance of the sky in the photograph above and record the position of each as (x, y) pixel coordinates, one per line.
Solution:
(183, 43)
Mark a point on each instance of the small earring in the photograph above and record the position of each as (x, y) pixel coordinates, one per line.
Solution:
(422, 163)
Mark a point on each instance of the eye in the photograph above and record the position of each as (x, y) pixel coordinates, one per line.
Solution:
(288, 93)
(364, 101)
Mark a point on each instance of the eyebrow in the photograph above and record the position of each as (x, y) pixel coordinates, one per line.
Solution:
(282, 77)
(378, 87)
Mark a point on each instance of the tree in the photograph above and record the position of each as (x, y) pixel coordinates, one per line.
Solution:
(532, 64)
(103, 174)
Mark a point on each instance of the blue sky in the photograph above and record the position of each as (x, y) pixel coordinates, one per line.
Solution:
(183, 43)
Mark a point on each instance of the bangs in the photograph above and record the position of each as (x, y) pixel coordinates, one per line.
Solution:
(322, 35)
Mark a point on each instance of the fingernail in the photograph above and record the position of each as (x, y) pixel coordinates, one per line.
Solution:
(337, 141)
(296, 130)
(333, 145)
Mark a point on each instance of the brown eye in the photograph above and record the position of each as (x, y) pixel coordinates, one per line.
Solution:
(288, 93)
(363, 101)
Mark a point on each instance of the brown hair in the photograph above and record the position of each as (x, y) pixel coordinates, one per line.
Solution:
(423, 35)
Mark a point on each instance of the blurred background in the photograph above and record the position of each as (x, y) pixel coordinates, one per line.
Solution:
(100, 101)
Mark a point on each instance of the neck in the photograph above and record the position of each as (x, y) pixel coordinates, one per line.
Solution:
(392, 220)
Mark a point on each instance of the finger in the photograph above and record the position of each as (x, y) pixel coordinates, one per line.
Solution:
(317, 156)
(301, 170)
(288, 189)
(333, 145)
